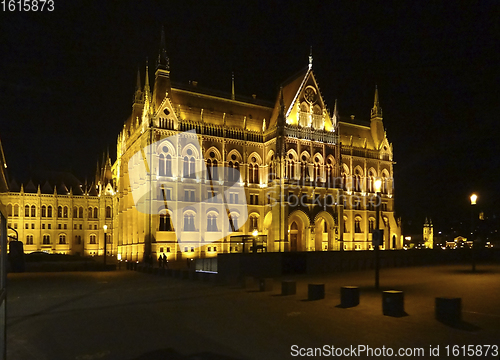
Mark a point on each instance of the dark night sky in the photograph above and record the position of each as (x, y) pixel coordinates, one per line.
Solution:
(68, 78)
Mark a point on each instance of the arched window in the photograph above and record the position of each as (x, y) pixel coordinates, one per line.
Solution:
(95, 213)
(9, 210)
(75, 212)
(29, 239)
(357, 225)
(165, 222)
(33, 211)
(90, 213)
(256, 173)
(186, 167)
(16, 210)
(192, 171)
(371, 225)
(108, 212)
(253, 223)
(215, 172)
(212, 222)
(46, 240)
(44, 211)
(49, 211)
(189, 222)
(59, 211)
(62, 239)
(250, 174)
(80, 213)
(271, 175)
(161, 165)
(65, 212)
(168, 166)
(92, 239)
(27, 211)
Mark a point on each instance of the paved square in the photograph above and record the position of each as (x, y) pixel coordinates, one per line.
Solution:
(128, 315)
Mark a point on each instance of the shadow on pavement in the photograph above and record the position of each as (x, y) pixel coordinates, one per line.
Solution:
(171, 354)
(461, 325)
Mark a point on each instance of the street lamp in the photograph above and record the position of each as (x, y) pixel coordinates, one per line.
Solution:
(105, 227)
(473, 199)
(255, 233)
(376, 235)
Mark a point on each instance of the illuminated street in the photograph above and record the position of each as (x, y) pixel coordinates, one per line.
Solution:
(129, 315)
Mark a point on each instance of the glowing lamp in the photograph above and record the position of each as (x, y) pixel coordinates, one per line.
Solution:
(255, 233)
(105, 227)
(473, 199)
(377, 185)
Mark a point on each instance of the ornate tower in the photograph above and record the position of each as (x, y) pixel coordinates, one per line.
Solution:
(428, 234)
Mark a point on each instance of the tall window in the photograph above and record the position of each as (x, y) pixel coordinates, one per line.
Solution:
(90, 213)
(49, 211)
(165, 222)
(16, 210)
(168, 165)
(29, 239)
(80, 213)
(9, 210)
(92, 239)
(212, 223)
(357, 225)
(62, 239)
(75, 212)
(189, 222)
(371, 225)
(46, 239)
(27, 211)
(44, 211)
(253, 223)
(108, 212)
(65, 212)
(95, 213)
(253, 173)
(33, 211)
(59, 211)
(161, 165)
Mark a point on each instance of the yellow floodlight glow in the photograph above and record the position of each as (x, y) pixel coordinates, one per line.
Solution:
(255, 233)
(377, 185)
(105, 227)
(473, 199)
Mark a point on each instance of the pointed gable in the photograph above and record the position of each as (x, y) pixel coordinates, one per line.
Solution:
(302, 97)
(47, 189)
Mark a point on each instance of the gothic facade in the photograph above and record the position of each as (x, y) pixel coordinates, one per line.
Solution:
(308, 178)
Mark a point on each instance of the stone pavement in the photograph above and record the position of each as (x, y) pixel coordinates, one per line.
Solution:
(128, 315)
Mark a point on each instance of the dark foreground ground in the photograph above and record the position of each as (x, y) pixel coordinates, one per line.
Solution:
(129, 316)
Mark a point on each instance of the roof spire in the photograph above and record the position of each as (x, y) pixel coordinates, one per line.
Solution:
(138, 84)
(146, 80)
(376, 110)
(310, 58)
(232, 89)
(163, 61)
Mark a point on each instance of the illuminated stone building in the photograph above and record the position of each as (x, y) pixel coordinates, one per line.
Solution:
(308, 176)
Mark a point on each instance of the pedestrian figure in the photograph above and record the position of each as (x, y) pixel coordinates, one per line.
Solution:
(160, 261)
(165, 261)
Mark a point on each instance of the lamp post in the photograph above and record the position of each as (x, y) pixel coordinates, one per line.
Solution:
(473, 199)
(105, 227)
(376, 233)
(255, 233)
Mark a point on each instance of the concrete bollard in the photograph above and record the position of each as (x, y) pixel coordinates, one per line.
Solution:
(288, 287)
(349, 296)
(315, 291)
(393, 303)
(266, 284)
(448, 310)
